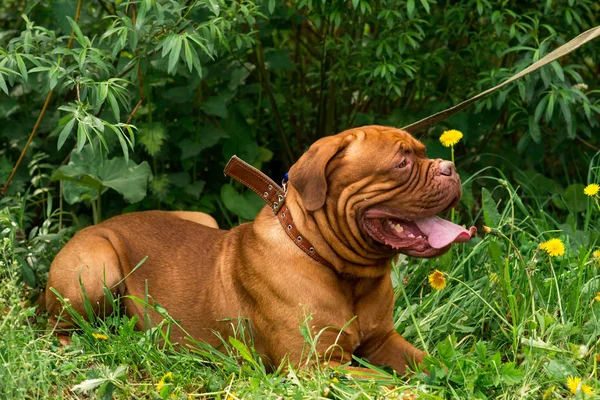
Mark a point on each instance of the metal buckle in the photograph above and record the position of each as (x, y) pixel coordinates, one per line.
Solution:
(277, 204)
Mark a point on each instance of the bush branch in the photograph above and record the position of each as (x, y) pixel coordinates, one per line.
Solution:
(39, 119)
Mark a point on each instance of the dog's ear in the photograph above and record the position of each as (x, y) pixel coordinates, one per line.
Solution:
(307, 175)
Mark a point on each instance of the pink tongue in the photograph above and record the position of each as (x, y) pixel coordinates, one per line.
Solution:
(441, 232)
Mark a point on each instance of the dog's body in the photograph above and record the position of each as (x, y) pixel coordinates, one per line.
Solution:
(344, 196)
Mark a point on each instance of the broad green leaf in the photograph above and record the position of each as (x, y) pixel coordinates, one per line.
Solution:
(245, 205)
(217, 105)
(195, 189)
(574, 198)
(511, 375)
(129, 179)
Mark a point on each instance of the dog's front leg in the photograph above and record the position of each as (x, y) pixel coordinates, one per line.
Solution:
(391, 349)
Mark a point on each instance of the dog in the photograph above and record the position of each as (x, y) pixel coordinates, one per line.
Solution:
(360, 197)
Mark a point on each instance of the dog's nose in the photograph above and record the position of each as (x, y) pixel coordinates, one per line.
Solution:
(447, 168)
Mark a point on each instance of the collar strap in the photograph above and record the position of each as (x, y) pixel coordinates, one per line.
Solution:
(274, 196)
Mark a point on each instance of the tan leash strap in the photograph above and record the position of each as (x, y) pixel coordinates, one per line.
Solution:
(274, 196)
(566, 48)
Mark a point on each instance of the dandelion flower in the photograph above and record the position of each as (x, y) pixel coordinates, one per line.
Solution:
(99, 336)
(167, 378)
(437, 280)
(591, 190)
(548, 393)
(451, 137)
(554, 247)
(494, 277)
(598, 297)
(574, 384)
(596, 254)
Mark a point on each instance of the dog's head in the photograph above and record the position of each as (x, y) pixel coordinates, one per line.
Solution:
(377, 189)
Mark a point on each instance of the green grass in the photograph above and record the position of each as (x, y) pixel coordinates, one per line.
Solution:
(511, 323)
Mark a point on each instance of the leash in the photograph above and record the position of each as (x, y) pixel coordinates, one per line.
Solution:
(565, 49)
(274, 195)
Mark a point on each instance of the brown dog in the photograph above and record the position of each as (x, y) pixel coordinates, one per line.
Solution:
(359, 197)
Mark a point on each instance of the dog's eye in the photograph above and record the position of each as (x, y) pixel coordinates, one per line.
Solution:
(402, 164)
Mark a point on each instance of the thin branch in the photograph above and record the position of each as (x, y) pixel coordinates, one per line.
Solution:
(41, 115)
(267, 87)
(105, 7)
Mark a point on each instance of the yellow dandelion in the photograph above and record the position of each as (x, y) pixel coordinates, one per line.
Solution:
(548, 393)
(596, 254)
(451, 137)
(167, 378)
(598, 297)
(99, 336)
(335, 380)
(232, 396)
(574, 384)
(494, 277)
(591, 190)
(437, 280)
(554, 247)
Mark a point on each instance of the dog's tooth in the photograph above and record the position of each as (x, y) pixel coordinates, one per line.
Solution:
(398, 228)
(420, 237)
(411, 235)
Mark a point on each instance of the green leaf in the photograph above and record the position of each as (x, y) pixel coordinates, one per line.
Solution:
(78, 34)
(217, 105)
(243, 350)
(560, 369)
(64, 134)
(490, 209)
(88, 173)
(511, 375)
(3, 84)
(81, 136)
(195, 189)
(534, 130)
(114, 105)
(129, 179)
(574, 198)
(245, 205)
(188, 54)
(410, 7)
(271, 6)
(174, 55)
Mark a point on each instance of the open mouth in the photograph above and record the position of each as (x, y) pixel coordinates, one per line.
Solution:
(425, 237)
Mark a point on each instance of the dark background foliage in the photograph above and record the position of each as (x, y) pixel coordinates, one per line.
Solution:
(265, 79)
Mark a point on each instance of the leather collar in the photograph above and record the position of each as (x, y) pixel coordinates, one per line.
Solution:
(274, 196)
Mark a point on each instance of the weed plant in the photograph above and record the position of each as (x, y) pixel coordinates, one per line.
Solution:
(514, 320)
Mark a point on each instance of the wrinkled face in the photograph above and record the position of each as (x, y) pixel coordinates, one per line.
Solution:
(377, 188)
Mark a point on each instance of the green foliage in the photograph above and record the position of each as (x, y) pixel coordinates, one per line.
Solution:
(153, 97)
(199, 81)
